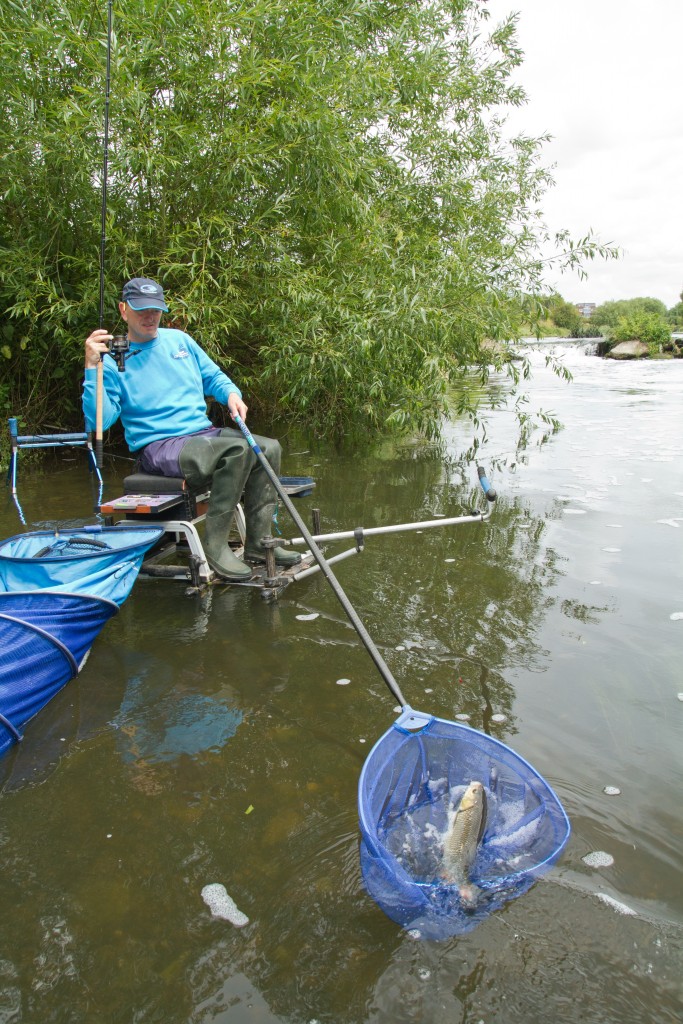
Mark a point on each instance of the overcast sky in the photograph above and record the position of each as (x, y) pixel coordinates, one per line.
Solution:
(605, 79)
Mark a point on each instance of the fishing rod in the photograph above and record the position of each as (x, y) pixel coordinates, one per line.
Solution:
(103, 240)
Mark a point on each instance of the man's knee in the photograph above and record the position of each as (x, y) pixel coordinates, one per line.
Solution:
(270, 447)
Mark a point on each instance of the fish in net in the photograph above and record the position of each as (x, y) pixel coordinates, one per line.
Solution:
(411, 782)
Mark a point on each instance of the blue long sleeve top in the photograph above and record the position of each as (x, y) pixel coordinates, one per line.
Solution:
(161, 393)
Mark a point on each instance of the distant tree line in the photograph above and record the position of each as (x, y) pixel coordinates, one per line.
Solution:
(646, 319)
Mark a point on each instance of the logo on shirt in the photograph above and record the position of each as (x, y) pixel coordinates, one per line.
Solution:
(182, 353)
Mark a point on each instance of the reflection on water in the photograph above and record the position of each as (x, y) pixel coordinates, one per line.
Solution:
(208, 742)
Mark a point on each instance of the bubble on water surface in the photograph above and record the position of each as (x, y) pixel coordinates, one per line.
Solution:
(221, 905)
(612, 550)
(499, 718)
(598, 859)
(615, 526)
(424, 974)
(680, 696)
(595, 583)
(669, 522)
(575, 511)
(620, 908)
(676, 615)
(343, 682)
(462, 718)
(449, 559)
(308, 618)
(612, 791)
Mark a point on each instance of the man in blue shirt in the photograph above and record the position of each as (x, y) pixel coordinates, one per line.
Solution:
(160, 401)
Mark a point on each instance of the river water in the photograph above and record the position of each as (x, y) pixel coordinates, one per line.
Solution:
(221, 740)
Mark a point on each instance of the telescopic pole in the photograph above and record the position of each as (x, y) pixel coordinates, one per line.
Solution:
(103, 241)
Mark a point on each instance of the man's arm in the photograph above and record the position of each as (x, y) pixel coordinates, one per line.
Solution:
(218, 385)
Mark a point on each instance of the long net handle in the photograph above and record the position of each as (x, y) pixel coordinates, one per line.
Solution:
(351, 612)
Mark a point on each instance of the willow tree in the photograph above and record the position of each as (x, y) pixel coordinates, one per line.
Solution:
(325, 187)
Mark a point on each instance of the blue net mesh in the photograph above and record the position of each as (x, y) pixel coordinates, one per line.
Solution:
(410, 780)
(44, 638)
(57, 589)
(99, 560)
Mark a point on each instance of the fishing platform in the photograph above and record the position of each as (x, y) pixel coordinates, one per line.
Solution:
(170, 504)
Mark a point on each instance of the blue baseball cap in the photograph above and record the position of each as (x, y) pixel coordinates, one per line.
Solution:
(142, 293)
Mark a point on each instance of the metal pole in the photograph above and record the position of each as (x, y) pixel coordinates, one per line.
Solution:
(323, 538)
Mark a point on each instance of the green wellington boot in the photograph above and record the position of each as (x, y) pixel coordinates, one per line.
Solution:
(200, 460)
(219, 554)
(259, 525)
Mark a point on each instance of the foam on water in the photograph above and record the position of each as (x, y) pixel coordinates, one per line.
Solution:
(521, 837)
(676, 615)
(598, 859)
(612, 791)
(308, 618)
(620, 908)
(221, 905)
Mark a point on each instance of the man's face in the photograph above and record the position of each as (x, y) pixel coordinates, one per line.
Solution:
(143, 324)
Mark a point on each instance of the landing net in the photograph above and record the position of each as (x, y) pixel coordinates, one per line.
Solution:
(410, 780)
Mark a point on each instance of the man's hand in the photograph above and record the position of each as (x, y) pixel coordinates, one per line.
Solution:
(95, 345)
(236, 406)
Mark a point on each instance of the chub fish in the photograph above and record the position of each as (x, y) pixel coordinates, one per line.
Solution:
(466, 825)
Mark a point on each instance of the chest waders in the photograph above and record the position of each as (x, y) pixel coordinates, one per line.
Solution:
(227, 465)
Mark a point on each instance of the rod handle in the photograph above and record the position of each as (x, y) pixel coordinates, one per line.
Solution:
(99, 415)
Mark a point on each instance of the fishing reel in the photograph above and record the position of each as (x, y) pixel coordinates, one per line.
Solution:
(119, 348)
